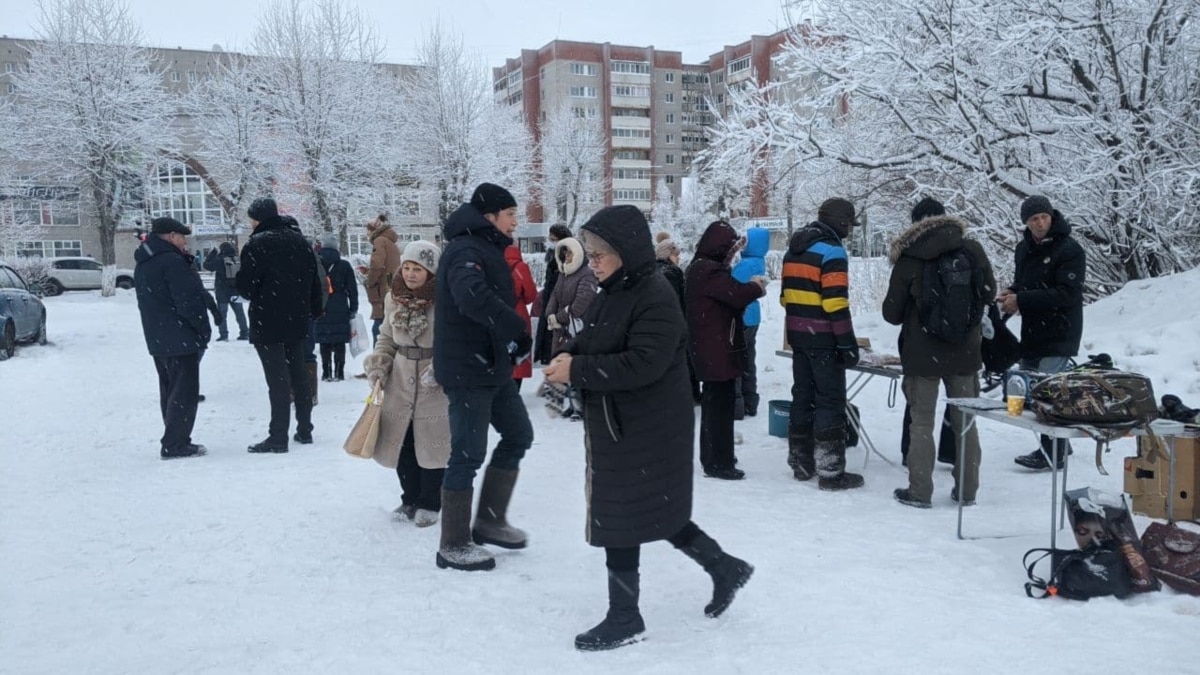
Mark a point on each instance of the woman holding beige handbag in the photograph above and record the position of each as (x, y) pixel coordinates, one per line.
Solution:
(414, 426)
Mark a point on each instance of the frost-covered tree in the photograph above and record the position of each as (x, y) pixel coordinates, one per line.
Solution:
(93, 110)
(984, 103)
(453, 134)
(330, 106)
(573, 148)
(664, 213)
(237, 142)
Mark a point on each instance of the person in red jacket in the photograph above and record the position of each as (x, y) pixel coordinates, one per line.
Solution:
(526, 291)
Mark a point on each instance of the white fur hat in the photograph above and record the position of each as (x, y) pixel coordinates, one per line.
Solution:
(423, 253)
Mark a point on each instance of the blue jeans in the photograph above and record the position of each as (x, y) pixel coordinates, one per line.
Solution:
(1048, 365)
(375, 324)
(472, 410)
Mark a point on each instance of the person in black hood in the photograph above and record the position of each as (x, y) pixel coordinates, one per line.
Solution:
(1047, 291)
(478, 337)
(281, 277)
(223, 263)
(332, 330)
(173, 307)
(630, 362)
(543, 341)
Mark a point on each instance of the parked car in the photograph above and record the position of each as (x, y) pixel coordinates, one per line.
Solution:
(22, 314)
(79, 274)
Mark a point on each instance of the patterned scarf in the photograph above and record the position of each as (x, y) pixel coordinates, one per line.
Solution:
(411, 306)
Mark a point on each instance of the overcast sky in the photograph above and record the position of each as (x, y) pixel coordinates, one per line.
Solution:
(498, 30)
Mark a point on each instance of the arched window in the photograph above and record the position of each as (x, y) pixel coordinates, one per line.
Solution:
(178, 192)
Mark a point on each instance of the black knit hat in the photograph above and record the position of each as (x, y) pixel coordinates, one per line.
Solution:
(168, 226)
(1033, 206)
(262, 209)
(838, 214)
(490, 198)
(927, 208)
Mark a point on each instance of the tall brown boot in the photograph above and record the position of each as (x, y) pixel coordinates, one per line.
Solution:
(491, 527)
(456, 550)
(312, 380)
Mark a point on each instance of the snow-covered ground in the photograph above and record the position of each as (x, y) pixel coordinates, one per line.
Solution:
(112, 561)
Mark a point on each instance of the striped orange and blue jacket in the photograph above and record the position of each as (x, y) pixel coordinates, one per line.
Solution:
(816, 290)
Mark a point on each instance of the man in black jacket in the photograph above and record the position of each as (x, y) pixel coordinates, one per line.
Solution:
(1048, 294)
(172, 304)
(223, 263)
(478, 336)
(279, 275)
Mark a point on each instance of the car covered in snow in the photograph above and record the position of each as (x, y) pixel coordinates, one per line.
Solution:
(79, 274)
(22, 314)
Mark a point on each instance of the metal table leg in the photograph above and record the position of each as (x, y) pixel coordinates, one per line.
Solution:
(1171, 484)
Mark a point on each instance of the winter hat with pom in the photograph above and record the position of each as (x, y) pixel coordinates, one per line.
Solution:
(1033, 206)
(664, 246)
(927, 208)
(423, 253)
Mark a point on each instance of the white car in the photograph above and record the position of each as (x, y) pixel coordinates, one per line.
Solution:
(79, 274)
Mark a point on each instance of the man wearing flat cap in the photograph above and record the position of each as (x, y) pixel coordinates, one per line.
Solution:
(1047, 291)
(479, 336)
(174, 309)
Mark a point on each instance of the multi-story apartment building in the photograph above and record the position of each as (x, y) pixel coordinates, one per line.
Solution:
(60, 221)
(655, 109)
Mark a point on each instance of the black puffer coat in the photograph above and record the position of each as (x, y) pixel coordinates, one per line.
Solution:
(674, 276)
(279, 276)
(474, 314)
(334, 326)
(716, 303)
(171, 300)
(215, 262)
(630, 363)
(1049, 287)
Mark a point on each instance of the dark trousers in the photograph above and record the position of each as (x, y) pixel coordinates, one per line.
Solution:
(818, 391)
(471, 411)
(419, 487)
(629, 557)
(716, 426)
(375, 324)
(178, 398)
(238, 313)
(518, 381)
(1049, 365)
(333, 359)
(747, 385)
(287, 380)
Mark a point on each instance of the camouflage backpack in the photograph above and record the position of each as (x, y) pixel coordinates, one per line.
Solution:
(1093, 397)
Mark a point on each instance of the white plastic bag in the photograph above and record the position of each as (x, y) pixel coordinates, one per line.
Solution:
(358, 335)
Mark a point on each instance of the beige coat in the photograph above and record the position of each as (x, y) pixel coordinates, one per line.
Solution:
(406, 399)
(385, 261)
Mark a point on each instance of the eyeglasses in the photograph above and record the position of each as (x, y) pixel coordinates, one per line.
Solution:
(596, 256)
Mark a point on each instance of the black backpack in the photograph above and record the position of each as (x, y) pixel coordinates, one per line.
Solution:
(1095, 572)
(952, 296)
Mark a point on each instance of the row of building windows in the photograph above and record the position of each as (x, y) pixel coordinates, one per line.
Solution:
(631, 195)
(631, 67)
(585, 113)
(640, 155)
(739, 65)
(631, 112)
(40, 213)
(583, 69)
(627, 132)
(631, 174)
(48, 249)
(632, 91)
(583, 92)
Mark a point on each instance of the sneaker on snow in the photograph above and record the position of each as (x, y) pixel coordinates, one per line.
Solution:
(1036, 461)
(268, 446)
(192, 450)
(725, 474)
(302, 438)
(405, 513)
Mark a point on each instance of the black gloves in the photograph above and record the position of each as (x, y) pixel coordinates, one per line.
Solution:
(518, 349)
(847, 356)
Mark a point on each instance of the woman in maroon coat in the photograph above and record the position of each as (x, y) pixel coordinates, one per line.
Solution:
(526, 292)
(715, 304)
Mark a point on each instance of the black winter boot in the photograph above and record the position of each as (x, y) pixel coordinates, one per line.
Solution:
(800, 455)
(326, 369)
(728, 573)
(311, 367)
(830, 450)
(623, 624)
(491, 527)
(456, 550)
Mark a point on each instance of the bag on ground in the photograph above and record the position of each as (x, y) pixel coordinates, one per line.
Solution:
(358, 335)
(1174, 555)
(1103, 519)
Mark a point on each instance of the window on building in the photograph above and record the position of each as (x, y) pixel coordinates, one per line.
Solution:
(53, 209)
(720, 98)
(668, 77)
(50, 249)
(719, 78)
(670, 179)
(670, 118)
(629, 132)
(588, 113)
(631, 112)
(631, 195)
(670, 138)
(357, 243)
(583, 69)
(542, 73)
(631, 91)
(175, 76)
(631, 174)
(670, 97)
(640, 155)
(670, 159)
(739, 65)
(178, 192)
(583, 92)
(631, 67)
(10, 67)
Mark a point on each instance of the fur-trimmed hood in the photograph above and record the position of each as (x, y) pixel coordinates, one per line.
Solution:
(572, 244)
(929, 238)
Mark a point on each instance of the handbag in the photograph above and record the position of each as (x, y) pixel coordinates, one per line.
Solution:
(365, 434)
(1174, 555)
(358, 335)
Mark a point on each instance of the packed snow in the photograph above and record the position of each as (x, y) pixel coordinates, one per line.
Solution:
(117, 562)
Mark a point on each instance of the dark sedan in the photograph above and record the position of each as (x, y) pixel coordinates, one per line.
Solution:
(22, 314)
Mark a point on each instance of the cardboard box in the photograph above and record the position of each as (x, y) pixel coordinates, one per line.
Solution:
(1147, 480)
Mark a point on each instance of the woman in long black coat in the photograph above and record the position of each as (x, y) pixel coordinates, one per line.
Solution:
(332, 330)
(630, 364)
(543, 341)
